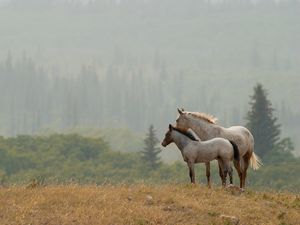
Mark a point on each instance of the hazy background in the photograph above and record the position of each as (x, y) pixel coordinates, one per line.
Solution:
(121, 65)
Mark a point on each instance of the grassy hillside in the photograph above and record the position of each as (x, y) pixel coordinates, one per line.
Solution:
(141, 204)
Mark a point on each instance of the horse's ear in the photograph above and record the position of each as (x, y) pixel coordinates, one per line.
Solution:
(170, 127)
(180, 111)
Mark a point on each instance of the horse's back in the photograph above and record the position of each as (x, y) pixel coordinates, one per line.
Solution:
(241, 136)
(239, 129)
(218, 144)
(223, 147)
(217, 140)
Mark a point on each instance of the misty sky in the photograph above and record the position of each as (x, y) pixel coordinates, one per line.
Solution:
(139, 57)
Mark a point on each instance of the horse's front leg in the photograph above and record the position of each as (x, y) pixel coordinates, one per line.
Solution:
(207, 165)
(192, 171)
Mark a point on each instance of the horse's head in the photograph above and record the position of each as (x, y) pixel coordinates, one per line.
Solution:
(186, 119)
(182, 119)
(168, 137)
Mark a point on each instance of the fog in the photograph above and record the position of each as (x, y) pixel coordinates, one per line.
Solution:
(129, 64)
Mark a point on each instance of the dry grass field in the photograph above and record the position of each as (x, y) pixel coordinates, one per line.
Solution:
(145, 204)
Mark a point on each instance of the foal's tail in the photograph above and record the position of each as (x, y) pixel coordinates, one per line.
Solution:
(255, 161)
(236, 152)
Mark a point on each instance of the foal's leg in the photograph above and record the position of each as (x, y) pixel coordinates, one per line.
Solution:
(227, 170)
(224, 177)
(192, 172)
(220, 170)
(207, 165)
(230, 174)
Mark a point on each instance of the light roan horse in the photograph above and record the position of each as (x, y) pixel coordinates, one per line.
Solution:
(205, 127)
(197, 151)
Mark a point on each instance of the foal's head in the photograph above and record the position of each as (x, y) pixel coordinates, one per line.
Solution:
(168, 137)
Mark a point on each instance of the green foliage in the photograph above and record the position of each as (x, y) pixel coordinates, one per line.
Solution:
(277, 175)
(150, 153)
(281, 167)
(285, 145)
(262, 123)
(73, 158)
(116, 137)
(63, 158)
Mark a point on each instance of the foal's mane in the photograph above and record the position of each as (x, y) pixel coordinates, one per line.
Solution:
(186, 133)
(204, 116)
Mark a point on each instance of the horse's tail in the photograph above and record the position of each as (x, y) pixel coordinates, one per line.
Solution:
(255, 161)
(236, 152)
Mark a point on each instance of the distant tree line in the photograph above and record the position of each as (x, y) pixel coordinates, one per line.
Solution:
(33, 99)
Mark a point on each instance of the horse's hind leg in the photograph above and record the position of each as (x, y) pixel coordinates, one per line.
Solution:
(237, 166)
(207, 165)
(246, 161)
(225, 171)
(220, 170)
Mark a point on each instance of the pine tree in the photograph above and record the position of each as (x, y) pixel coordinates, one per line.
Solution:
(262, 123)
(150, 153)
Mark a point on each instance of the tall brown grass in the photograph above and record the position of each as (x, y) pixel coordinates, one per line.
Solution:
(145, 204)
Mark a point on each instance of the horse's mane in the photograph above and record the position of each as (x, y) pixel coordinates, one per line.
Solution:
(186, 133)
(204, 116)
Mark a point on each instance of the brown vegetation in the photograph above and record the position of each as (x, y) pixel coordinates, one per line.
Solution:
(145, 204)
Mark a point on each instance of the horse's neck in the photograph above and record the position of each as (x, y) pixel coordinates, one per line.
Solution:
(180, 140)
(205, 130)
